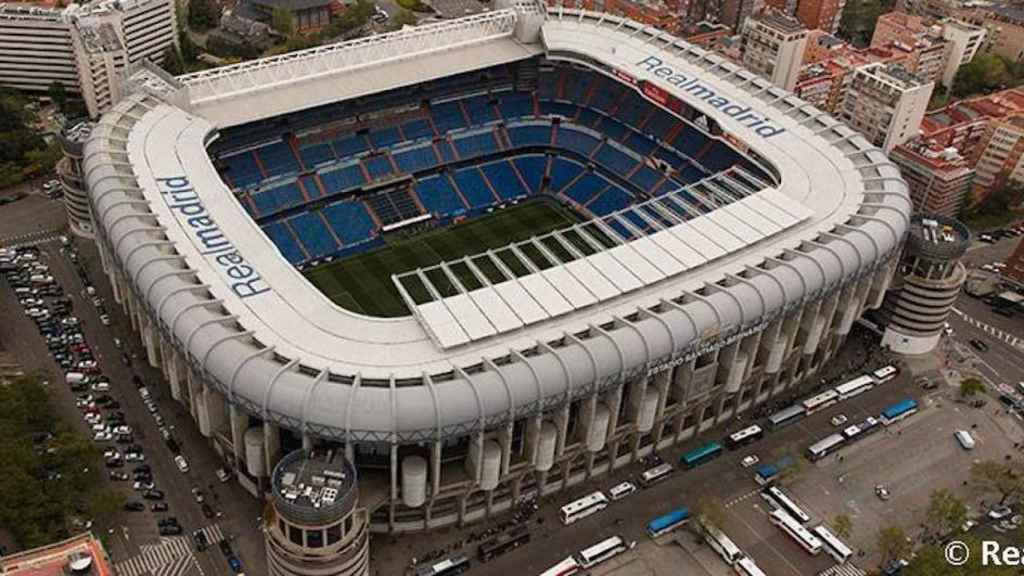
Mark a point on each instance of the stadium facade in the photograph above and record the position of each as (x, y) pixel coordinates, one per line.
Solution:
(698, 283)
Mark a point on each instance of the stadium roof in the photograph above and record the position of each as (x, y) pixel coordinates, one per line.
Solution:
(270, 341)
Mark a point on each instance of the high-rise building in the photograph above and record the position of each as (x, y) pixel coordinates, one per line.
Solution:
(734, 13)
(886, 103)
(939, 178)
(317, 527)
(821, 14)
(773, 46)
(927, 284)
(963, 41)
(84, 47)
(1004, 27)
(998, 156)
(962, 124)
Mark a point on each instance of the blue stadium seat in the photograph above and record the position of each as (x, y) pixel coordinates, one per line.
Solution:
(604, 97)
(438, 197)
(385, 137)
(351, 145)
(719, 158)
(504, 180)
(289, 195)
(342, 179)
(587, 117)
(517, 105)
(416, 129)
(621, 229)
(313, 234)
(480, 110)
(661, 124)
(637, 221)
(350, 221)
(476, 144)
(309, 182)
(613, 198)
(632, 109)
(447, 152)
(531, 167)
(640, 144)
(613, 128)
(614, 159)
(531, 135)
(447, 117)
(562, 172)
(473, 188)
(547, 81)
(666, 187)
(689, 141)
(315, 154)
(242, 169)
(585, 188)
(571, 139)
(549, 108)
(691, 174)
(282, 238)
(378, 166)
(277, 159)
(645, 178)
(266, 203)
(669, 156)
(413, 160)
(577, 85)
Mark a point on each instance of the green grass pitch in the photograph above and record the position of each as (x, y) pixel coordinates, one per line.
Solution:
(362, 283)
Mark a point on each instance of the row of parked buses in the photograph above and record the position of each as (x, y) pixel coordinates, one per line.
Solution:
(591, 556)
(790, 517)
(819, 402)
(833, 442)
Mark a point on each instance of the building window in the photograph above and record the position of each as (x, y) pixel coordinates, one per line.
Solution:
(295, 535)
(315, 539)
(333, 534)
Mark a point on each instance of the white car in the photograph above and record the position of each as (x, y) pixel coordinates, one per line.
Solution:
(123, 429)
(140, 486)
(101, 387)
(134, 457)
(93, 418)
(839, 419)
(1000, 512)
(105, 320)
(100, 428)
(182, 464)
(750, 461)
(103, 437)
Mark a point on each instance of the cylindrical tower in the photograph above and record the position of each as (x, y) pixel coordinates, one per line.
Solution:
(926, 288)
(317, 527)
(69, 170)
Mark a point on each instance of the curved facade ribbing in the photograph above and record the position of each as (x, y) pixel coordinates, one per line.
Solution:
(535, 410)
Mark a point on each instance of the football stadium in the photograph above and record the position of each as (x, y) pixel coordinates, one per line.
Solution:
(487, 258)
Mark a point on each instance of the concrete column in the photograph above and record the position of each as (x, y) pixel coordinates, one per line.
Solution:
(662, 381)
(478, 464)
(174, 368)
(505, 441)
(394, 486)
(562, 422)
(272, 444)
(165, 350)
(586, 418)
(203, 411)
(682, 380)
(307, 441)
(532, 439)
(614, 401)
(435, 468)
(193, 393)
(239, 424)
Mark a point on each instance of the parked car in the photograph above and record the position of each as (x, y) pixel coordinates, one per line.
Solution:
(1000, 512)
(172, 530)
(134, 506)
(882, 492)
(749, 461)
(153, 494)
(839, 419)
(979, 345)
(199, 537)
(181, 463)
(158, 507)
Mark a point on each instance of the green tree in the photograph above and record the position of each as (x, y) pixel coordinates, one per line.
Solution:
(282, 21)
(710, 513)
(842, 525)
(1005, 480)
(971, 386)
(984, 73)
(202, 14)
(403, 18)
(859, 19)
(946, 512)
(172, 61)
(59, 94)
(188, 50)
(892, 544)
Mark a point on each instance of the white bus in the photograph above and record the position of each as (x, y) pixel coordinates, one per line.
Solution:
(854, 387)
(965, 439)
(590, 504)
(884, 374)
(746, 567)
(656, 474)
(825, 446)
(566, 567)
(803, 536)
(745, 436)
(603, 550)
(784, 502)
(820, 401)
(833, 545)
(722, 544)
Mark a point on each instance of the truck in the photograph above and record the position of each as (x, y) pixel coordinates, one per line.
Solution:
(768, 473)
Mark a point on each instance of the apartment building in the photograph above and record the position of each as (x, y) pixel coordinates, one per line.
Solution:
(821, 14)
(886, 104)
(962, 124)
(1003, 23)
(825, 83)
(998, 156)
(939, 178)
(773, 46)
(964, 40)
(933, 50)
(84, 47)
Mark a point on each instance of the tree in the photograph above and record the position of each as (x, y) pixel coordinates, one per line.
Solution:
(202, 14)
(710, 513)
(984, 73)
(892, 544)
(282, 21)
(403, 18)
(859, 19)
(842, 525)
(971, 386)
(946, 512)
(59, 94)
(187, 49)
(1002, 479)
(172, 61)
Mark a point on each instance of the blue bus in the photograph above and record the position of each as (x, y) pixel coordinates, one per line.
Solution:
(899, 411)
(668, 522)
(701, 455)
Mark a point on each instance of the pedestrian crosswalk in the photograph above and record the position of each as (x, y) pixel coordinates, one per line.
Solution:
(843, 570)
(213, 533)
(1015, 341)
(740, 498)
(30, 238)
(154, 560)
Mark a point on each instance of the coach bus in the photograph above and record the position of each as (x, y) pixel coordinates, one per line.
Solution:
(589, 504)
(825, 446)
(705, 453)
(566, 567)
(767, 473)
(854, 387)
(884, 374)
(743, 437)
(784, 502)
(787, 416)
(503, 543)
(668, 522)
(722, 544)
(447, 567)
(899, 411)
(820, 401)
(654, 475)
(746, 567)
(832, 544)
(603, 550)
(803, 536)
